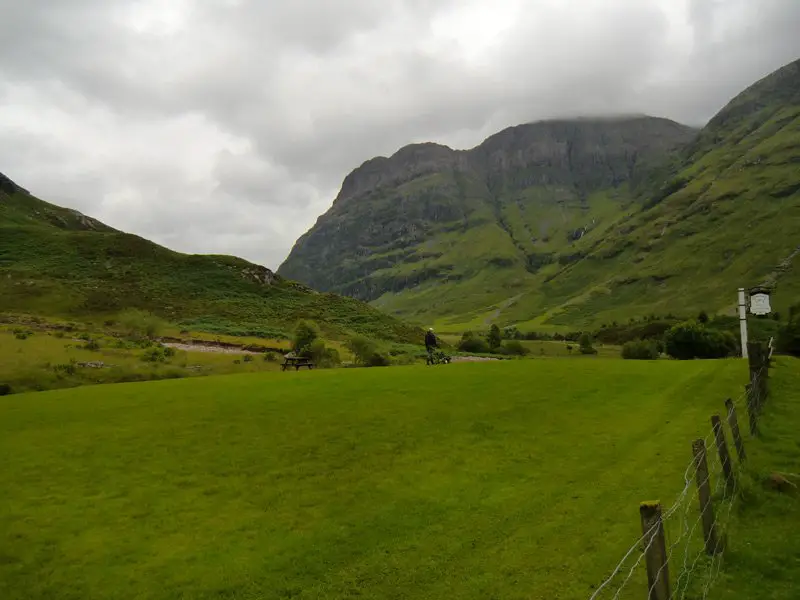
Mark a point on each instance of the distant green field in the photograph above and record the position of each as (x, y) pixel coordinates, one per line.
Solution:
(516, 479)
(39, 361)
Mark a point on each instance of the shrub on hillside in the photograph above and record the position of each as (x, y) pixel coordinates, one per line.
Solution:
(640, 350)
(361, 347)
(5, 389)
(63, 369)
(305, 334)
(271, 357)
(378, 359)
(691, 339)
(515, 348)
(367, 353)
(495, 339)
(158, 354)
(473, 343)
(788, 341)
(141, 324)
(92, 346)
(248, 358)
(586, 346)
(330, 359)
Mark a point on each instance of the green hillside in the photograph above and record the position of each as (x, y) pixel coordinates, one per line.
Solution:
(58, 262)
(573, 223)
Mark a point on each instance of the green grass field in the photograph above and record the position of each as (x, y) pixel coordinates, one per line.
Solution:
(516, 479)
(39, 361)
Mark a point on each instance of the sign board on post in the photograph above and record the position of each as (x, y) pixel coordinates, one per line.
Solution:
(759, 301)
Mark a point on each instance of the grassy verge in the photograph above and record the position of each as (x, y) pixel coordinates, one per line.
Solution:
(514, 479)
(763, 557)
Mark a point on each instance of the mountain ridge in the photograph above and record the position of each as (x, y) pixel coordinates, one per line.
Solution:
(462, 188)
(439, 238)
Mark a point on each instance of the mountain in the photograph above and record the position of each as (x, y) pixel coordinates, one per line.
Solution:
(58, 262)
(435, 231)
(573, 223)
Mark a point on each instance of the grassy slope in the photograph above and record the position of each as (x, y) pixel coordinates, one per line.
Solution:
(732, 225)
(56, 262)
(731, 221)
(508, 480)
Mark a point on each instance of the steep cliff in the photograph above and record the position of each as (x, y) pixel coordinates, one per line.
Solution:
(432, 213)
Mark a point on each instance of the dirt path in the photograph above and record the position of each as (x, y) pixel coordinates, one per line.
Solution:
(208, 348)
(456, 359)
(503, 305)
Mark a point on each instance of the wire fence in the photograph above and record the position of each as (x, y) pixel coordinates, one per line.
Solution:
(680, 554)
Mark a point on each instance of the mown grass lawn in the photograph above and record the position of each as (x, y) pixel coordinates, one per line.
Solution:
(517, 479)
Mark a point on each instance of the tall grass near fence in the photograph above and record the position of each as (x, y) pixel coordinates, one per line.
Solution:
(682, 547)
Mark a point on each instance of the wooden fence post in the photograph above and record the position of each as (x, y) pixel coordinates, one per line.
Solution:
(766, 361)
(655, 554)
(751, 409)
(758, 363)
(724, 456)
(704, 493)
(733, 423)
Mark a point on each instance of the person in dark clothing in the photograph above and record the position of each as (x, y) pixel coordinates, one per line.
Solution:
(430, 344)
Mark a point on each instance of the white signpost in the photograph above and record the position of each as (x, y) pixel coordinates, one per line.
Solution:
(743, 321)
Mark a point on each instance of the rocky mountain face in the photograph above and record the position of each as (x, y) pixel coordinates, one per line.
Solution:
(392, 213)
(563, 223)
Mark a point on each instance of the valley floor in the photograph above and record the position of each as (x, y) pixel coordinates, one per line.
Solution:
(517, 479)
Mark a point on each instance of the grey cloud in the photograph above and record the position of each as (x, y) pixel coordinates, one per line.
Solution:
(227, 125)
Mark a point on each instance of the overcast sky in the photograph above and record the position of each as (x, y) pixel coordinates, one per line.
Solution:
(227, 126)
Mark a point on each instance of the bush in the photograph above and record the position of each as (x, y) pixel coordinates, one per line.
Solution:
(586, 346)
(21, 335)
(361, 347)
(640, 350)
(156, 354)
(330, 359)
(248, 358)
(473, 344)
(515, 348)
(92, 345)
(305, 334)
(139, 323)
(788, 341)
(271, 357)
(366, 352)
(65, 368)
(5, 389)
(495, 339)
(316, 351)
(691, 339)
(378, 359)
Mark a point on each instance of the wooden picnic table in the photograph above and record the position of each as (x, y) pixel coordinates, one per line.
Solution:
(296, 362)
